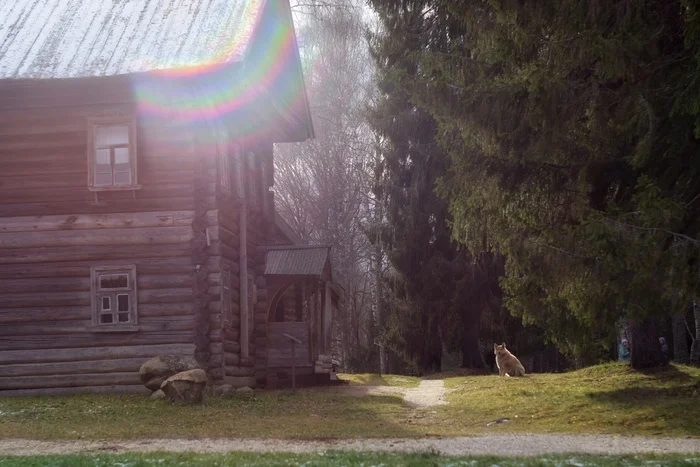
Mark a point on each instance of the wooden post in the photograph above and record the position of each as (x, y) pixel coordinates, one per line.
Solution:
(295, 341)
(243, 279)
(294, 366)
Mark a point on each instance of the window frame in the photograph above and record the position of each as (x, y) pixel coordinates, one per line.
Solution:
(225, 172)
(98, 294)
(237, 168)
(93, 124)
(252, 185)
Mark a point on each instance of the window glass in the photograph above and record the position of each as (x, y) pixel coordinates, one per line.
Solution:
(106, 304)
(112, 135)
(114, 281)
(122, 302)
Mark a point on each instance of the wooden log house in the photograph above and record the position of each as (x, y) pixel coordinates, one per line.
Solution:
(136, 211)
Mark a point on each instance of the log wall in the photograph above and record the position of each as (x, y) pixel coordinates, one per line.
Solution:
(226, 337)
(53, 229)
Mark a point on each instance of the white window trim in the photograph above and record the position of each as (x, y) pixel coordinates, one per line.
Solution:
(92, 124)
(97, 293)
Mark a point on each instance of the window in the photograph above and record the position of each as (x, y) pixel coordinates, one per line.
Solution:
(114, 295)
(226, 293)
(112, 154)
(224, 172)
(266, 196)
(252, 179)
(237, 170)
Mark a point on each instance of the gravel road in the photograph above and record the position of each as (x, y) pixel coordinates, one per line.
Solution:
(511, 445)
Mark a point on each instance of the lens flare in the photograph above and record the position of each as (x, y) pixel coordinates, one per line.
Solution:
(241, 92)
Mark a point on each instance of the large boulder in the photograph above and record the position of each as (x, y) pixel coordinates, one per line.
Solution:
(187, 386)
(158, 369)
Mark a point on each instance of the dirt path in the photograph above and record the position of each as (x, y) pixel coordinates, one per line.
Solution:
(427, 394)
(510, 445)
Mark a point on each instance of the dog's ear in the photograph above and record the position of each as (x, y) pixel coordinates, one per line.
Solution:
(504, 345)
(495, 346)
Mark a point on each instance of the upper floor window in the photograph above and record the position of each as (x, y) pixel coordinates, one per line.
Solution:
(252, 178)
(112, 154)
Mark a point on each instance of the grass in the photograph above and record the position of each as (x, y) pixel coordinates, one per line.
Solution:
(610, 398)
(373, 379)
(341, 459)
(604, 399)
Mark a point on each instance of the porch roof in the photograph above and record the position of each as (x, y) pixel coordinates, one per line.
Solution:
(298, 260)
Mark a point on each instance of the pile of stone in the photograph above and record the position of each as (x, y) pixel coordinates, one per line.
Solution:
(183, 379)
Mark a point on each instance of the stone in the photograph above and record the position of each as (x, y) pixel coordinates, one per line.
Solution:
(223, 390)
(245, 391)
(156, 370)
(241, 381)
(187, 386)
(158, 395)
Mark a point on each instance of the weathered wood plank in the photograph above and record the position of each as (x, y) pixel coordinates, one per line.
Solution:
(164, 309)
(48, 207)
(55, 299)
(96, 353)
(53, 381)
(116, 388)
(65, 328)
(28, 315)
(46, 285)
(81, 200)
(97, 221)
(151, 266)
(163, 281)
(169, 295)
(89, 339)
(68, 368)
(96, 237)
(90, 253)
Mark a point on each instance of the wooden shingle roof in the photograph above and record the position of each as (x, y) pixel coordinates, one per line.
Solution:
(298, 261)
(76, 38)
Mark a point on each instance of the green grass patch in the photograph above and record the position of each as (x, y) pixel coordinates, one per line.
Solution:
(339, 459)
(373, 379)
(306, 414)
(610, 398)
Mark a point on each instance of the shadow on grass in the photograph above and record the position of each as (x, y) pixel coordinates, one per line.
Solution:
(669, 373)
(459, 372)
(306, 414)
(665, 408)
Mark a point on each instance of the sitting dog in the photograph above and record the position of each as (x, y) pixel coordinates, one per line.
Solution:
(506, 362)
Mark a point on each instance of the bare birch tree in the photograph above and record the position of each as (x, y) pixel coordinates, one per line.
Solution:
(323, 187)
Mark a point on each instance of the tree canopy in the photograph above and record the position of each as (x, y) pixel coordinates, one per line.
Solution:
(570, 133)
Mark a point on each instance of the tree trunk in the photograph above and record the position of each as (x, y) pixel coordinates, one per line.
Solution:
(471, 354)
(646, 350)
(432, 353)
(695, 348)
(680, 343)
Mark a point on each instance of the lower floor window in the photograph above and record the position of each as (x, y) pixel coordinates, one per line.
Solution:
(114, 295)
